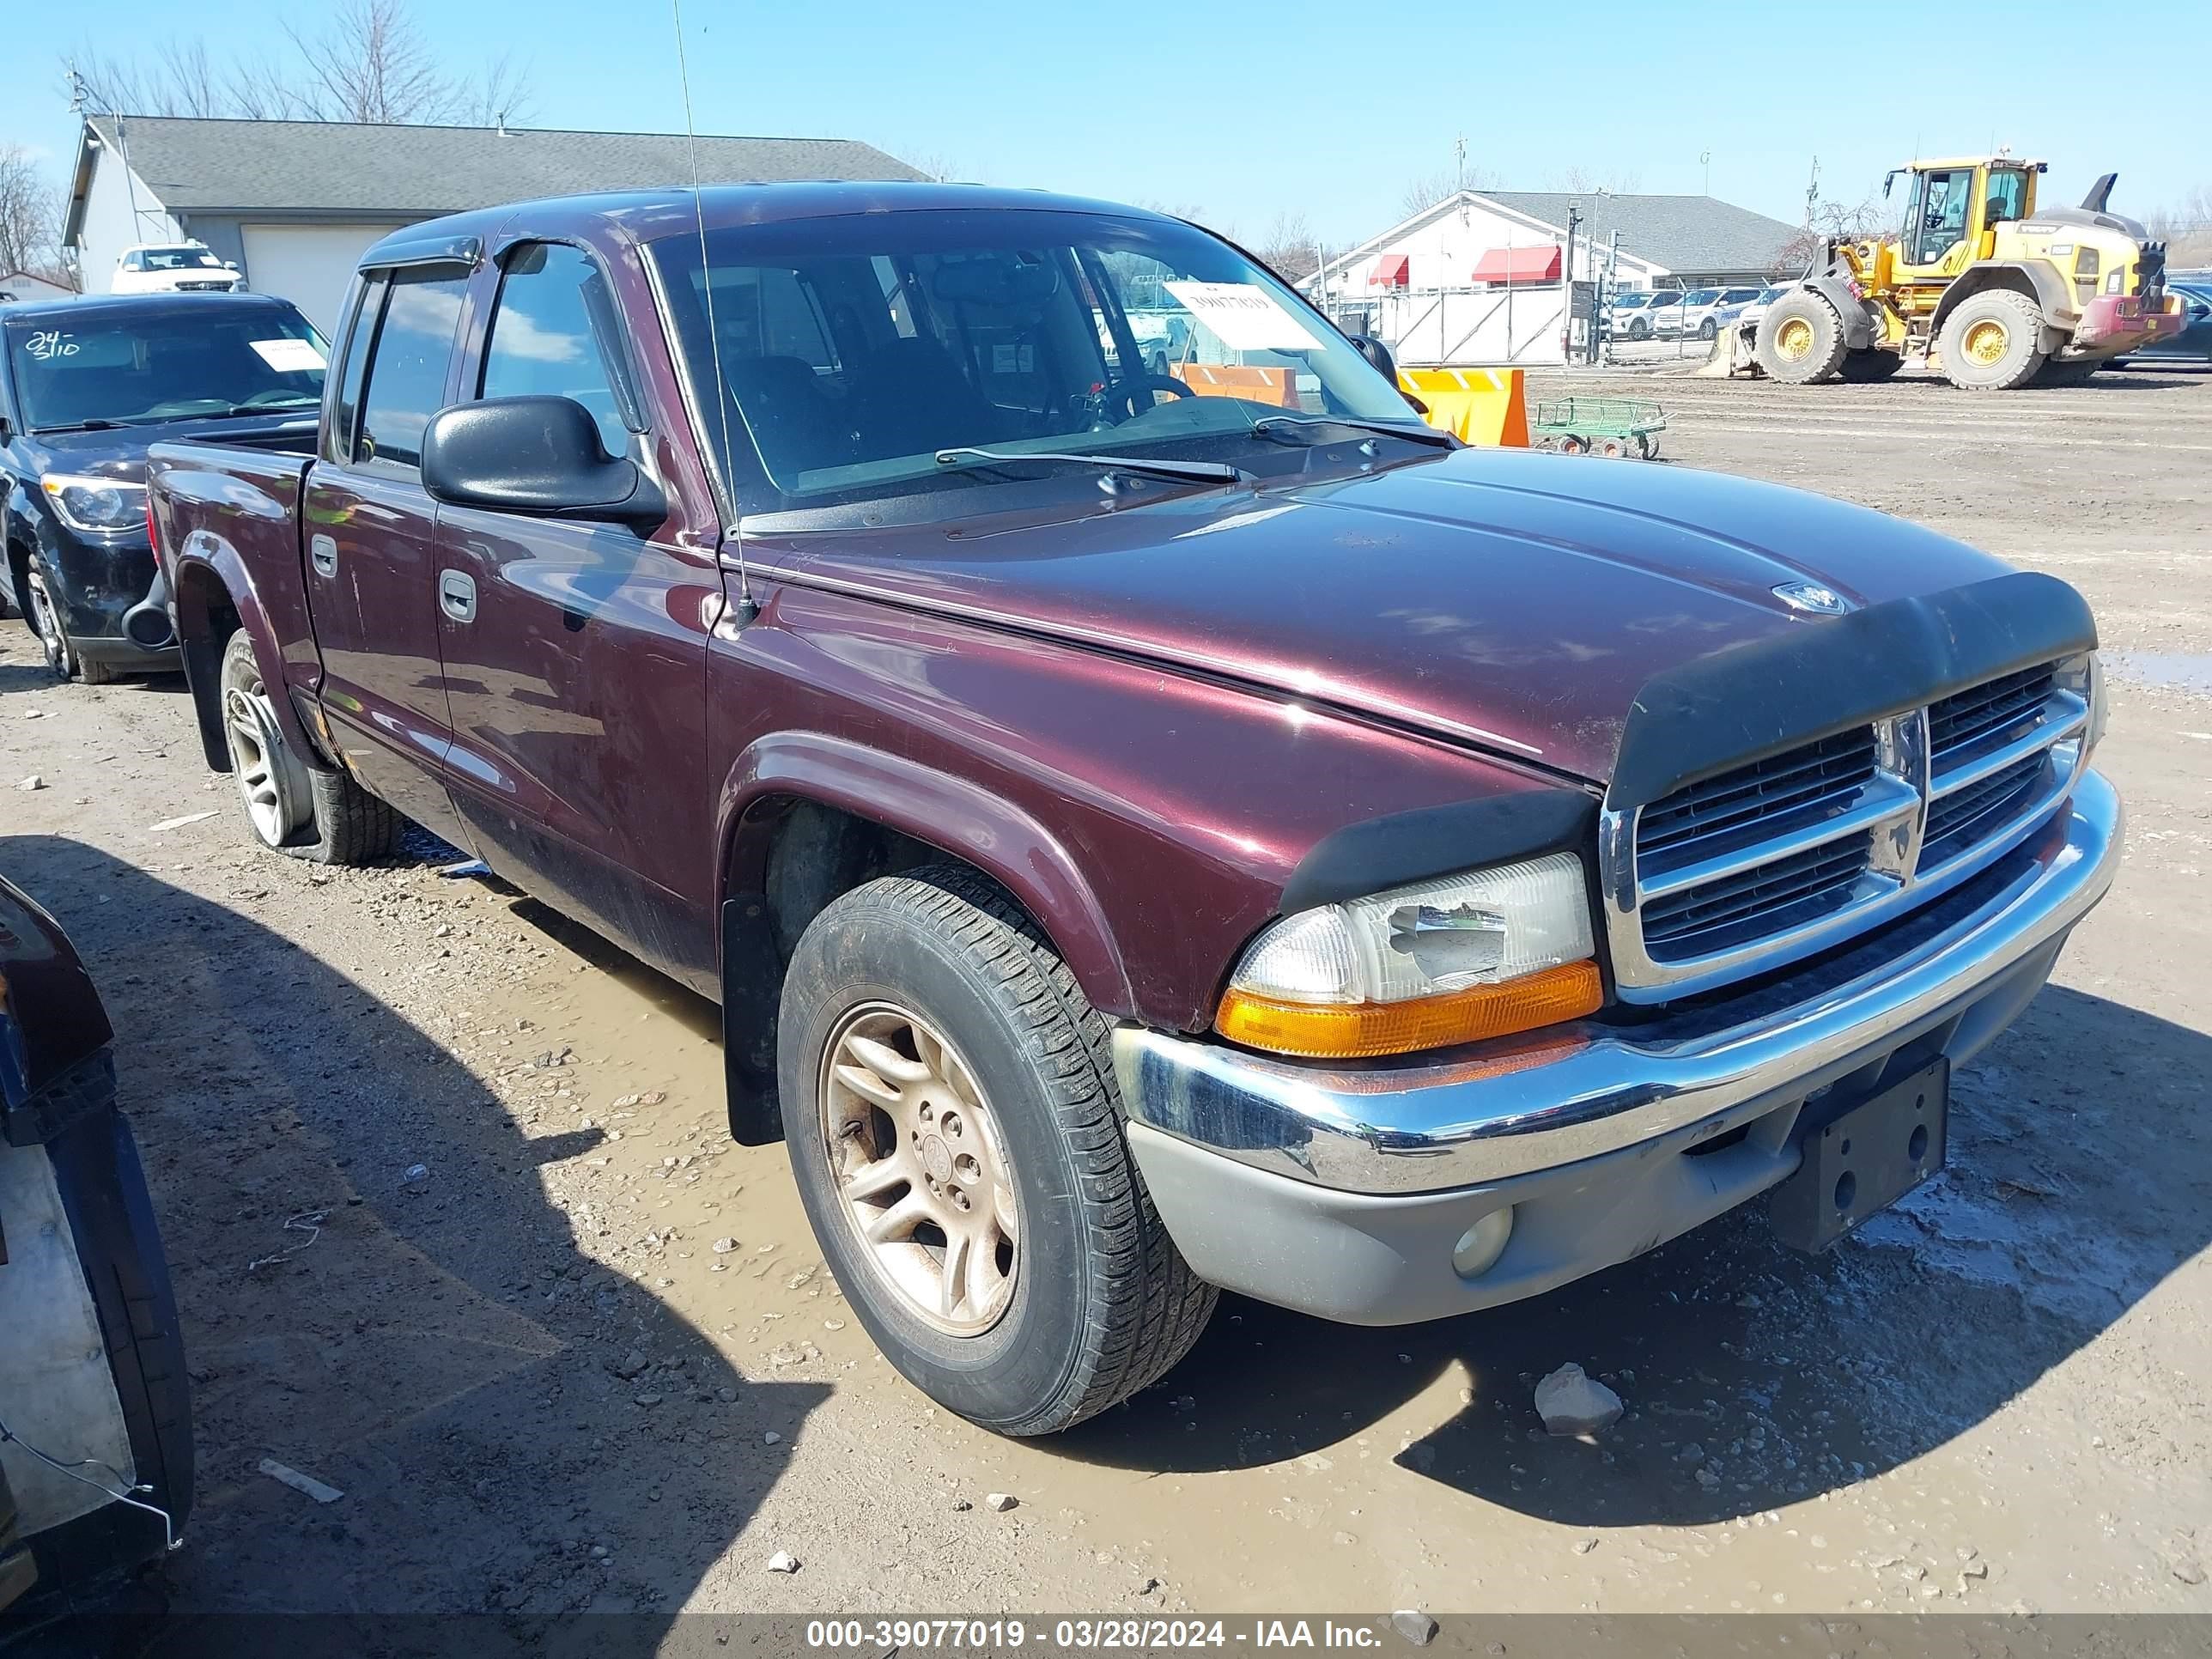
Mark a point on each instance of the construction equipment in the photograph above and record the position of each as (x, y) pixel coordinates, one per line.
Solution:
(1977, 282)
(1605, 425)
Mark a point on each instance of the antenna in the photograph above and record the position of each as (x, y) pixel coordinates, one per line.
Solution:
(748, 607)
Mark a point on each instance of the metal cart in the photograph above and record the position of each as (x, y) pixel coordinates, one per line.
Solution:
(1605, 425)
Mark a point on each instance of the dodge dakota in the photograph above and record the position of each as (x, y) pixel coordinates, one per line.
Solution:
(1148, 832)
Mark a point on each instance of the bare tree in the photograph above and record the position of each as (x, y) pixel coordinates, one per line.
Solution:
(1423, 192)
(1588, 182)
(30, 219)
(1290, 248)
(1830, 222)
(2186, 227)
(367, 61)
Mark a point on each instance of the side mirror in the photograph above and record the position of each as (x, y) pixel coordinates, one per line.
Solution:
(1377, 353)
(1385, 365)
(534, 455)
(230, 264)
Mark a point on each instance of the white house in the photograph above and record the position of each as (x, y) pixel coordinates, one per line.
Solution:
(295, 203)
(1482, 276)
(21, 285)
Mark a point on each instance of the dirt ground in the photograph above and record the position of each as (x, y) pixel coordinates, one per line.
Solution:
(457, 1229)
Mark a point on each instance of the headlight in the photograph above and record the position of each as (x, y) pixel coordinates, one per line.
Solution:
(1477, 956)
(96, 504)
(2084, 676)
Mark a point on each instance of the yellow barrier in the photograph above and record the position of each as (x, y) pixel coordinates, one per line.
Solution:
(1476, 405)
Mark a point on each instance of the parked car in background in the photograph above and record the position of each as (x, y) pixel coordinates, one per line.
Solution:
(173, 268)
(1735, 312)
(1662, 318)
(1625, 318)
(2194, 344)
(1112, 893)
(1698, 312)
(91, 1364)
(86, 386)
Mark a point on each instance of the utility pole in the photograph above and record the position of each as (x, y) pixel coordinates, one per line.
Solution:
(1705, 160)
(1459, 172)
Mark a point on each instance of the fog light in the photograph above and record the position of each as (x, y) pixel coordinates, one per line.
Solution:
(1481, 1245)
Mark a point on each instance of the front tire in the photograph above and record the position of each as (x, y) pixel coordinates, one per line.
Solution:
(1993, 342)
(324, 817)
(955, 1129)
(45, 618)
(1801, 339)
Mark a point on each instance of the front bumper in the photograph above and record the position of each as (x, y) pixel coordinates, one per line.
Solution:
(1342, 1191)
(2121, 322)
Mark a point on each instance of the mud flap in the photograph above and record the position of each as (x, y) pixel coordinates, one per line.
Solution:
(1865, 1159)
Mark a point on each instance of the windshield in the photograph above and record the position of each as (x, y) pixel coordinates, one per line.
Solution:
(856, 348)
(1704, 296)
(178, 363)
(179, 259)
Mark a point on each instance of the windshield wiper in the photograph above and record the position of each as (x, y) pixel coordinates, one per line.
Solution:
(1412, 433)
(1194, 471)
(85, 426)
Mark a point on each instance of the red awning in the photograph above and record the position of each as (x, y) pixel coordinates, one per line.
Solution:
(1390, 271)
(1518, 264)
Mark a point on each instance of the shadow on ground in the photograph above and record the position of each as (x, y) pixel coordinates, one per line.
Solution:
(375, 1292)
(2070, 1196)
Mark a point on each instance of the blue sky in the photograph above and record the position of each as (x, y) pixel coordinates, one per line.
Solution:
(1243, 110)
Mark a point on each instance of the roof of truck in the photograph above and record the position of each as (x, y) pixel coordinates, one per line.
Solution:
(648, 213)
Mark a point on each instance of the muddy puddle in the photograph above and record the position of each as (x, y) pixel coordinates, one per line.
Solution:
(2188, 671)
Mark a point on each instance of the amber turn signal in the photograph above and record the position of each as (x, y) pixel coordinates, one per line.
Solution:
(1362, 1030)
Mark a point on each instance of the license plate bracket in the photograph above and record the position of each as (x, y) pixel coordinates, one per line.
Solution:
(1864, 1158)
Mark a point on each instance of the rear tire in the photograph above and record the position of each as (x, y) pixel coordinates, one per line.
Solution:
(933, 993)
(323, 816)
(1801, 339)
(1993, 342)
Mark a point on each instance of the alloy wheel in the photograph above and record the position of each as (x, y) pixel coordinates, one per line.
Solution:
(919, 1168)
(270, 779)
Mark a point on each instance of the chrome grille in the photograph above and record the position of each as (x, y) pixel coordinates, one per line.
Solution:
(1755, 866)
(1707, 817)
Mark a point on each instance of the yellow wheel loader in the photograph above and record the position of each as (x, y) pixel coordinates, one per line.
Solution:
(1979, 283)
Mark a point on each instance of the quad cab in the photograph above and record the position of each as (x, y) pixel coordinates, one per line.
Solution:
(1978, 282)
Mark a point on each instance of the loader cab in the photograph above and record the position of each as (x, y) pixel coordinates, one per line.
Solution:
(1953, 209)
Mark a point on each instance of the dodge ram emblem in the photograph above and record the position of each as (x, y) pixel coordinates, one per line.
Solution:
(1813, 597)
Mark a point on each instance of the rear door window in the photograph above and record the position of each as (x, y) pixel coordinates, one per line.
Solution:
(554, 333)
(407, 369)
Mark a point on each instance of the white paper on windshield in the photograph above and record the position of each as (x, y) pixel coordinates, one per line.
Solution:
(288, 356)
(1245, 315)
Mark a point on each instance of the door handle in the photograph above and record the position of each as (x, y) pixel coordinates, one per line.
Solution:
(457, 595)
(323, 554)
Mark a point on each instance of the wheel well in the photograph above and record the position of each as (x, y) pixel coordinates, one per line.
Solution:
(19, 574)
(790, 859)
(1984, 279)
(206, 618)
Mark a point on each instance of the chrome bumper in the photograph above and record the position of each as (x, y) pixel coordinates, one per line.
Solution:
(1580, 1091)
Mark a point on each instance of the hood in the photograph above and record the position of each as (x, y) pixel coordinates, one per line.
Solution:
(1511, 600)
(120, 453)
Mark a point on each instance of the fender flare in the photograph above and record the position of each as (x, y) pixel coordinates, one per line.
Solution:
(2050, 293)
(207, 559)
(962, 819)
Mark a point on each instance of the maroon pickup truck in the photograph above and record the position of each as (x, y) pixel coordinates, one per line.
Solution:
(1151, 824)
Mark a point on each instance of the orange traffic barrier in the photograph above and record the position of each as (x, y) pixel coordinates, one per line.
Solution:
(1258, 386)
(1485, 406)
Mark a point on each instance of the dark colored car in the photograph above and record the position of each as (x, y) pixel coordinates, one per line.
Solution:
(2194, 344)
(1146, 834)
(86, 386)
(92, 1368)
